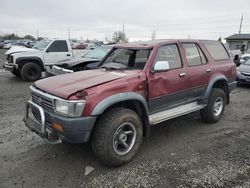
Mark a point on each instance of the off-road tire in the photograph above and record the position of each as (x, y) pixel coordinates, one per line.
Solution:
(16, 73)
(31, 72)
(207, 113)
(103, 136)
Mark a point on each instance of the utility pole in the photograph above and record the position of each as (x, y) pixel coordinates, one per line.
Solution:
(69, 32)
(241, 20)
(37, 34)
(123, 33)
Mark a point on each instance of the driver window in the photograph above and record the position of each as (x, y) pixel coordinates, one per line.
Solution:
(122, 56)
(171, 54)
(58, 46)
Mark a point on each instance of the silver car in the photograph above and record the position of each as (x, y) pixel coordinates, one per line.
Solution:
(243, 73)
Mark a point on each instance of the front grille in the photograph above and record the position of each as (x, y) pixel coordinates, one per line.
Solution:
(41, 101)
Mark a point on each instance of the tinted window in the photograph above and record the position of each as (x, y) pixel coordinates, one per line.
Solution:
(58, 46)
(194, 54)
(216, 49)
(171, 54)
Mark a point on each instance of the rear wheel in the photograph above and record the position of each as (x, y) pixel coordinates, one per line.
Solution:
(31, 72)
(117, 136)
(216, 106)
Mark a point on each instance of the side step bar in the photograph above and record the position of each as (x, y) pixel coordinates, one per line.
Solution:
(174, 112)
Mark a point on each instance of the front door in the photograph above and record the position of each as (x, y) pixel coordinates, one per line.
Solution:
(169, 88)
(57, 51)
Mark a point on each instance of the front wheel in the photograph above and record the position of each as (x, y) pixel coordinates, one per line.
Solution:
(117, 136)
(31, 72)
(216, 106)
(16, 73)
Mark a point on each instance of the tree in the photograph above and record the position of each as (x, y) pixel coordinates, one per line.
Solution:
(119, 37)
(29, 37)
(10, 37)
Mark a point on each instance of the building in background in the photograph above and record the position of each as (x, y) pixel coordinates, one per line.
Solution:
(239, 42)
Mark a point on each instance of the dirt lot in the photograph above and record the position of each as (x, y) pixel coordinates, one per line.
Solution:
(184, 152)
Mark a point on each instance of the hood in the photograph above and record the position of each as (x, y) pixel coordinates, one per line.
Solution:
(244, 68)
(16, 49)
(65, 85)
(75, 61)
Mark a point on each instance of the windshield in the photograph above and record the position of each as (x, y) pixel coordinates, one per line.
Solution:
(247, 62)
(41, 45)
(127, 59)
(98, 53)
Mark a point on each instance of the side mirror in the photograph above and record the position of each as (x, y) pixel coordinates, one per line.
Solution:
(161, 66)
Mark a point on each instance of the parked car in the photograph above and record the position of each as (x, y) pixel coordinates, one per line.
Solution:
(30, 62)
(243, 73)
(88, 61)
(244, 57)
(137, 85)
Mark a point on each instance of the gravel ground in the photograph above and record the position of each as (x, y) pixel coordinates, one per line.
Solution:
(184, 152)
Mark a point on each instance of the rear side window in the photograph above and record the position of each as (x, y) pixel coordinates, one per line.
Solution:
(216, 49)
(194, 54)
(171, 54)
(58, 46)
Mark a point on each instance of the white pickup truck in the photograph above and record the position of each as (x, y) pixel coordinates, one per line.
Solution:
(29, 63)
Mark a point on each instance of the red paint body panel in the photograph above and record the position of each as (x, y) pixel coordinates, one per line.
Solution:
(65, 85)
(129, 83)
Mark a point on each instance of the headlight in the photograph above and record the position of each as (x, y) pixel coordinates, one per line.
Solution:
(69, 108)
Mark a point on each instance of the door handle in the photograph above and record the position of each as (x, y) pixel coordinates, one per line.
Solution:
(208, 70)
(182, 74)
(68, 54)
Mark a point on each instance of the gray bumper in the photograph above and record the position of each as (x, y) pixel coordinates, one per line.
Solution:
(9, 67)
(243, 78)
(75, 130)
(55, 70)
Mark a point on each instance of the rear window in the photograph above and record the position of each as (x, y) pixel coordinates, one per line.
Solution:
(217, 50)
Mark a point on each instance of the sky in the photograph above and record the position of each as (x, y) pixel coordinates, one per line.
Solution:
(99, 19)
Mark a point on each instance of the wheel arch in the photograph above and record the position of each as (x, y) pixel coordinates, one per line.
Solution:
(217, 82)
(23, 60)
(129, 100)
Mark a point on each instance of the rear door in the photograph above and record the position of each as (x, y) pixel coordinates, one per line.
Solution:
(198, 69)
(56, 52)
(169, 88)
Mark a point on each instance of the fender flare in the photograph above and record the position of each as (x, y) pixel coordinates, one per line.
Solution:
(211, 84)
(37, 60)
(119, 97)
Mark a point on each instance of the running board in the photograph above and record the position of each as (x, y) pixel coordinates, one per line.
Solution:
(174, 112)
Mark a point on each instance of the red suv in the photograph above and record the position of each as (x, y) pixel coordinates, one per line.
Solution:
(136, 85)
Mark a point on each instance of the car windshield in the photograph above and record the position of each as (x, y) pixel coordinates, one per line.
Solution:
(127, 59)
(41, 45)
(98, 53)
(247, 62)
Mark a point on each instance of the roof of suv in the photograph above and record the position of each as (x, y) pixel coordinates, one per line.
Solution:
(152, 43)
